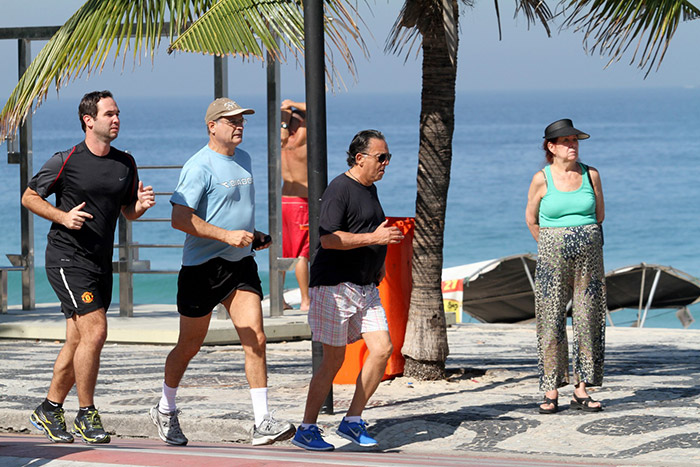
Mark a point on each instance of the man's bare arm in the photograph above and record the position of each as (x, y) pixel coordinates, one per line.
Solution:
(73, 219)
(382, 235)
(145, 200)
(184, 218)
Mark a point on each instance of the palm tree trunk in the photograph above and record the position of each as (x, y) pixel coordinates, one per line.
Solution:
(425, 346)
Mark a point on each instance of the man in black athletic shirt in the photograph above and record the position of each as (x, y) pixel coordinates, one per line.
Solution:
(93, 182)
(345, 305)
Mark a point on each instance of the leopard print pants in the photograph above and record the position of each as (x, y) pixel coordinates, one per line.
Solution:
(570, 268)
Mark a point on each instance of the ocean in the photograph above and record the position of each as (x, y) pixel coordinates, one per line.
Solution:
(644, 142)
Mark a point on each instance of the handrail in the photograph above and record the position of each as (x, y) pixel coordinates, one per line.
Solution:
(156, 245)
(3, 285)
(152, 219)
(22, 155)
(129, 263)
(159, 167)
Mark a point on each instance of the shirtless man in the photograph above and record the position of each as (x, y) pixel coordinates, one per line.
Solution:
(295, 193)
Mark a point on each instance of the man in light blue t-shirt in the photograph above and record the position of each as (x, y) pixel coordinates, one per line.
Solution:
(214, 204)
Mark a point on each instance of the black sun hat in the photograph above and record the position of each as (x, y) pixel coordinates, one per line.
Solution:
(563, 127)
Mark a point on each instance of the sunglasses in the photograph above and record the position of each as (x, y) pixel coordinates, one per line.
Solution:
(239, 122)
(381, 158)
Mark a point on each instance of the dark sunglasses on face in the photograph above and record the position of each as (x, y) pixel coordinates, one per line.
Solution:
(381, 158)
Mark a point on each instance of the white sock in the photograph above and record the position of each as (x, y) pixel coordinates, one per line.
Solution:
(356, 419)
(167, 400)
(306, 426)
(259, 398)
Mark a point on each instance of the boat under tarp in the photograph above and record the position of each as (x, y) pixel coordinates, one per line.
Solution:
(502, 290)
(499, 290)
(652, 286)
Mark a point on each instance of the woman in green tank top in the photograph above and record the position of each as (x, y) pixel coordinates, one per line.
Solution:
(565, 209)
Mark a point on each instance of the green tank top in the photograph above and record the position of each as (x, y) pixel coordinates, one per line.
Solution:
(568, 208)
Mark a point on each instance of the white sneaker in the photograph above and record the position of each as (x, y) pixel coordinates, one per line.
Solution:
(168, 426)
(271, 430)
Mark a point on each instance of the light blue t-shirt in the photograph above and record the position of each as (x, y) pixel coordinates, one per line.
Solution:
(220, 189)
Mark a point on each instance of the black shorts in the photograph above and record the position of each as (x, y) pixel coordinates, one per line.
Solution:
(79, 290)
(200, 288)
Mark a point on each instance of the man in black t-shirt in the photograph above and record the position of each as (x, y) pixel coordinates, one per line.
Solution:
(93, 182)
(345, 305)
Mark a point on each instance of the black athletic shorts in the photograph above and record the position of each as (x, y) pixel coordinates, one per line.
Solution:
(79, 290)
(200, 288)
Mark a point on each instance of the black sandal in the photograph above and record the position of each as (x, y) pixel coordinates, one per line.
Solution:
(554, 402)
(583, 403)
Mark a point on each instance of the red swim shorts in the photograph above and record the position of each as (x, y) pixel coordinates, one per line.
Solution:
(295, 227)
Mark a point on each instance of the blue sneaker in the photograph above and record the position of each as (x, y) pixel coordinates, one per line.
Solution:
(357, 433)
(311, 439)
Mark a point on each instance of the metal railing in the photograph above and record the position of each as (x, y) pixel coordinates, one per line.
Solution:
(129, 262)
(17, 265)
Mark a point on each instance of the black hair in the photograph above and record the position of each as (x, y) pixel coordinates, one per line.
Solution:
(360, 143)
(88, 105)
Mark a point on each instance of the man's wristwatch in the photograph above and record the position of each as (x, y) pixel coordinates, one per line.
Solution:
(284, 126)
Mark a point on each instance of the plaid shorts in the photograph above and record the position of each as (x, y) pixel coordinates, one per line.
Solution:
(340, 314)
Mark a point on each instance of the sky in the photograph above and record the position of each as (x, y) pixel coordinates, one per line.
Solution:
(523, 60)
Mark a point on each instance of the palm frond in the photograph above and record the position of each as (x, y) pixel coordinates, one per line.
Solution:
(535, 11)
(248, 28)
(612, 26)
(340, 22)
(233, 27)
(451, 25)
(416, 18)
(498, 19)
(239, 27)
(419, 17)
(84, 42)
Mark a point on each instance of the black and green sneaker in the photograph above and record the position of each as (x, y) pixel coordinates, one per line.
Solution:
(89, 427)
(52, 423)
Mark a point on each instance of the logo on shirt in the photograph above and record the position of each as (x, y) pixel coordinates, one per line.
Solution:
(235, 183)
(87, 297)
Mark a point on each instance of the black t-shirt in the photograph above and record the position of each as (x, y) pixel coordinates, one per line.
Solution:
(105, 183)
(349, 206)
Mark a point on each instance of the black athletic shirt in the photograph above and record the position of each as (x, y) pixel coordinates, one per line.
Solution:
(349, 206)
(106, 184)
